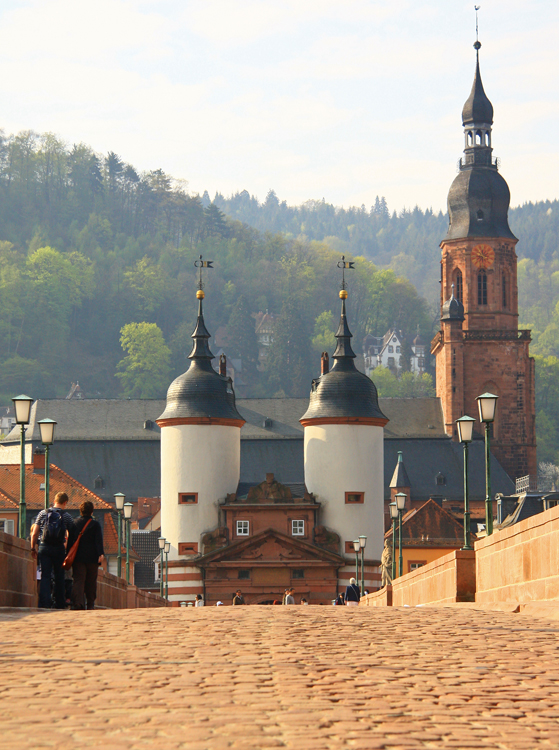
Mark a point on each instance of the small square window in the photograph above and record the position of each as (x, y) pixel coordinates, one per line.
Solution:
(242, 528)
(391, 350)
(243, 575)
(415, 565)
(298, 528)
(297, 573)
(188, 498)
(354, 497)
(397, 350)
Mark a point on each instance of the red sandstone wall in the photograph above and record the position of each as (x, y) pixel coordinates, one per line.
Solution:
(380, 598)
(448, 579)
(520, 563)
(18, 586)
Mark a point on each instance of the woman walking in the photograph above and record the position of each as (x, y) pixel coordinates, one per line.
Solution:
(89, 556)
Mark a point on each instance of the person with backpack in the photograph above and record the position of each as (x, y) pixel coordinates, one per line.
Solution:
(49, 535)
(89, 556)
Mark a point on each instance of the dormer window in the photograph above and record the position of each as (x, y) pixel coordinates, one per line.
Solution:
(98, 483)
(480, 215)
(440, 479)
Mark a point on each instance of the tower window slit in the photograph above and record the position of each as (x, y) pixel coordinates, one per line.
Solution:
(504, 283)
(458, 286)
(482, 288)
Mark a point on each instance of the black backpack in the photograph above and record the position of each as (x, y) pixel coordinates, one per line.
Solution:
(54, 530)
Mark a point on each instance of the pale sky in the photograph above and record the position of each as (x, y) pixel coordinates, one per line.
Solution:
(335, 99)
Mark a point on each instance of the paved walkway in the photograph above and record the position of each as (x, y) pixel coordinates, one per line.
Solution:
(278, 677)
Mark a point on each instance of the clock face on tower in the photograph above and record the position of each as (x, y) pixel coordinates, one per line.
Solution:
(483, 256)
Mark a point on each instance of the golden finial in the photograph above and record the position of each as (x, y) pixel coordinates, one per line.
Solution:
(343, 294)
(200, 294)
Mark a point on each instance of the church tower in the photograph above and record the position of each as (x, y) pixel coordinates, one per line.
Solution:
(200, 459)
(344, 453)
(479, 347)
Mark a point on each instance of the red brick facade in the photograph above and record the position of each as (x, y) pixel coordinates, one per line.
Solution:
(487, 352)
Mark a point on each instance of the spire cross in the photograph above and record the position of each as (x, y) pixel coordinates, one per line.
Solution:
(476, 8)
(343, 264)
(202, 264)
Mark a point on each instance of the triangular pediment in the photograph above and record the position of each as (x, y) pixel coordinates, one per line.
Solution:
(271, 545)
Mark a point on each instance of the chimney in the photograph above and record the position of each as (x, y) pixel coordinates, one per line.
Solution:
(223, 365)
(324, 364)
(38, 461)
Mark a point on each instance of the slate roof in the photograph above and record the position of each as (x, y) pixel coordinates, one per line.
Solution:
(124, 419)
(147, 547)
(477, 109)
(107, 438)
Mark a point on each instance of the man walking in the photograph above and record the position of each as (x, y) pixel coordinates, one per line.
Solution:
(290, 599)
(238, 598)
(49, 535)
(352, 593)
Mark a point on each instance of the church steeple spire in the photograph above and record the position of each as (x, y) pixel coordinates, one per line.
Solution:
(477, 119)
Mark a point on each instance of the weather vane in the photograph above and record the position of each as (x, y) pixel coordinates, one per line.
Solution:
(343, 264)
(476, 8)
(201, 263)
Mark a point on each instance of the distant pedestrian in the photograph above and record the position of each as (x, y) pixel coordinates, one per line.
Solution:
(199, 601)
(49, 535)
(219, 604)
(89, 556)
(340, 600)
(289, 598)
(238, 598)
(352, 593)
(304, 601)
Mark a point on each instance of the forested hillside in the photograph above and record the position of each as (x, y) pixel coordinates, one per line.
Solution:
(97, 278)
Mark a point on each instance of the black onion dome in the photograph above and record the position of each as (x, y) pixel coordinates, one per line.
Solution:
(477, 109)
(453, 309)
(200, 392)
(344, 391)
(478, 204)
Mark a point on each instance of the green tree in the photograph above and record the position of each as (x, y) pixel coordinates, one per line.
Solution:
(324, 339)
(241, 339)
(288, 365)
(145, 371)
(409, 385)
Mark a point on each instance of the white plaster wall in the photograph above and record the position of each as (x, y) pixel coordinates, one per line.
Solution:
(196, 458)
(342, 458)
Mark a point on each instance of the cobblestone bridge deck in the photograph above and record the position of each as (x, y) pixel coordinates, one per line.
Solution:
(278, 677)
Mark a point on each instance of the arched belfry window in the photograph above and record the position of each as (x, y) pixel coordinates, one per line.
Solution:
(458, 286)
(482, 288)
(504, 287)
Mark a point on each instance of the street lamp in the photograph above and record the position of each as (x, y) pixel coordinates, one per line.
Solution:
(465, 429)
(167, 550)
(400, 504)
(119, 505)
(487, 403)
(46, 426)
(127, 516)
(22, 410)
(393, 515)
(161, 542)
(362, 544)
(356, 547)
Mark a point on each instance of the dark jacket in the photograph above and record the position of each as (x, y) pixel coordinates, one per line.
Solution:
(352, 593)
(91, 544)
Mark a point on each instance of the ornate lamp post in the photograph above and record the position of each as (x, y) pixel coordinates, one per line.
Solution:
(167, 550)
(161, 542)
(400, 504)
(394, 516)
(356, 547)
(362, 545)
(119, 505)
(487, 403)
(46, 426)
(127, 516)
(22, 409)
(465, 429)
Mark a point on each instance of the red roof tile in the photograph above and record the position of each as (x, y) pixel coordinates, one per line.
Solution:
(60, 481)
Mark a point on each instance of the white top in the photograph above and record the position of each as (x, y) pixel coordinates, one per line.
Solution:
(199, 603)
